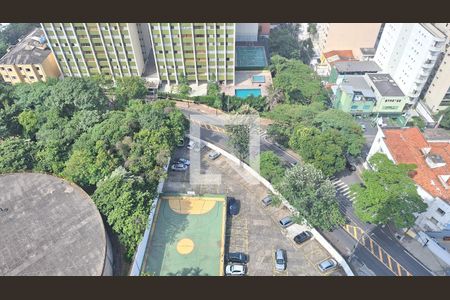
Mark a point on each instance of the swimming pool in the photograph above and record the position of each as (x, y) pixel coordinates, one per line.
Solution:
(258, 79)
(244, 93)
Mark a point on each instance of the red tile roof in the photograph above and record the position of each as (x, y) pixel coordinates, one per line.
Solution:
(405, 146)
(343, 54)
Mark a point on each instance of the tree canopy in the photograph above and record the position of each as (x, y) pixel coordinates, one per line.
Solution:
(271, 167)
(297, 81)
(314, 196)
(388, 194)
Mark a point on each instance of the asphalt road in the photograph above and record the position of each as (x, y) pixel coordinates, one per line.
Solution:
(359, 258)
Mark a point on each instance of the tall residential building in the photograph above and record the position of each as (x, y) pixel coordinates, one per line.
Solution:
(200, 51)
(347, 36)
(85, 49)
(437, 90)
(30, 60)
(408, 51)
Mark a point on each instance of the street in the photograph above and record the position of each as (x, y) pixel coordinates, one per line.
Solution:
(364, 261)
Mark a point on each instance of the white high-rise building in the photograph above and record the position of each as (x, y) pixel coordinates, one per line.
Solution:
(408, 51)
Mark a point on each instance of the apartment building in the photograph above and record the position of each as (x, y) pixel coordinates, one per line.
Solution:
(347, 36)
(409, 51)
(199, 51)
(30, 60)
(436, 93)
(86, 49)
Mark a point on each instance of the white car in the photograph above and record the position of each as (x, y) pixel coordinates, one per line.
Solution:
(179, 167)
(235, 270)
(213, 155)
(191, 145)
(327, 265)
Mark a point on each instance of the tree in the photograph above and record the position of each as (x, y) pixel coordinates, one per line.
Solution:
(418, 122)
(298, 82)
(183, 86)
(128, 88)
(29, 121)
(239, 139)
(312, 29)
(350, 130)
(274, 97)
(306, 51)
(445, 122)
(314, 196)
(322, 149)
(125, 201)
(16, 154)
(388, 193)
(271, 167)
(283, 40)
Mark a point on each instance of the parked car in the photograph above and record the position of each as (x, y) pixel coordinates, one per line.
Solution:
(237, 257)
(184, 161)
(198, 146)
(235, 269)
(213, 155)
(191, 145)
(179, 167)
(349, 165)
(363, 127)
(233, 206)
(327, 265)
(286, 222)
(280, 260)
(302, 237)
(267, 200)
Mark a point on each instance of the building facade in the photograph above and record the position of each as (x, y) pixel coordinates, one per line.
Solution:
(347, 36)
(409, 51)
(30, 60)
(86, 49)
(437, 90)
(199, 51)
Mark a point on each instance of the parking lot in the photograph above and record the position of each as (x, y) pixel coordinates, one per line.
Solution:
(255, 230)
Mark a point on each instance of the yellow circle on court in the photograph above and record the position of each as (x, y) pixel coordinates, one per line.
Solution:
(185, 246)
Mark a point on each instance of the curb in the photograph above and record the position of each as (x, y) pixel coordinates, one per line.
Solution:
(333, 252)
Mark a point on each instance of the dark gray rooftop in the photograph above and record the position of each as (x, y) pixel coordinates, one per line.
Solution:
(357, 66)
(385, 85)
(48, 227)
(368, 51)
(27, 51)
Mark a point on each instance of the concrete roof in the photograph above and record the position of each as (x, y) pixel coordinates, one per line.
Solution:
(48, 227)
(357, 83)
(385, 85)
(27, 51)
(368, 51)
(357, 66)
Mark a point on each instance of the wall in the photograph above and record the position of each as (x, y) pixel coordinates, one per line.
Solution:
(424, 220)
(246, 32)
(439, 86)
(434, 247)
(50, 67)
(349, 36)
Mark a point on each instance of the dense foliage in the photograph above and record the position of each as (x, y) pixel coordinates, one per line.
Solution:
(297, 81)
(314, 196)
(271, 167)
(388, 194)
(115, 148)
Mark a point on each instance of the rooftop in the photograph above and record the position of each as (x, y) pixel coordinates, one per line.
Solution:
(368, 51)
(353, 83)
(30, 50)
(407, 145)
(48, 227)
(357, 66)
(433, 30)
(338, 55)
(385, 85)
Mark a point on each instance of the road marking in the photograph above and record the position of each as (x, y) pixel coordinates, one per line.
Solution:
(389, 262)
(371, 245)
(399, 270)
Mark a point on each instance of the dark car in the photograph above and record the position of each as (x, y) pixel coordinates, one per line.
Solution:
(233, 206)
(286, 222)
(280, 259)
(302, 237)
(237, 257)
(267, 200)
(350, 166)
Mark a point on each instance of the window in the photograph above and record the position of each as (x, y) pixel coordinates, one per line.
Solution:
(9, 69)
(32, 77)
(434, 221)
(28, 70)
(37, 68)
(440, 211)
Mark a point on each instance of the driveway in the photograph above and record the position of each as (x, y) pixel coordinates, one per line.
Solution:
(255, 230)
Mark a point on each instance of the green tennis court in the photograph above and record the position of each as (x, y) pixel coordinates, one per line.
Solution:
(187, 237)
(250, 57)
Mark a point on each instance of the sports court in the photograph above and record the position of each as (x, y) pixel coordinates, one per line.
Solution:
(187, 237)
(250, 57)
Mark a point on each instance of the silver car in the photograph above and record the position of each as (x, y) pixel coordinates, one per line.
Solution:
(280, 260)
(179, 167)
(327, 265)
(213, 155)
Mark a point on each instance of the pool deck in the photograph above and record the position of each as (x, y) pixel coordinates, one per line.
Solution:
(243, 80)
